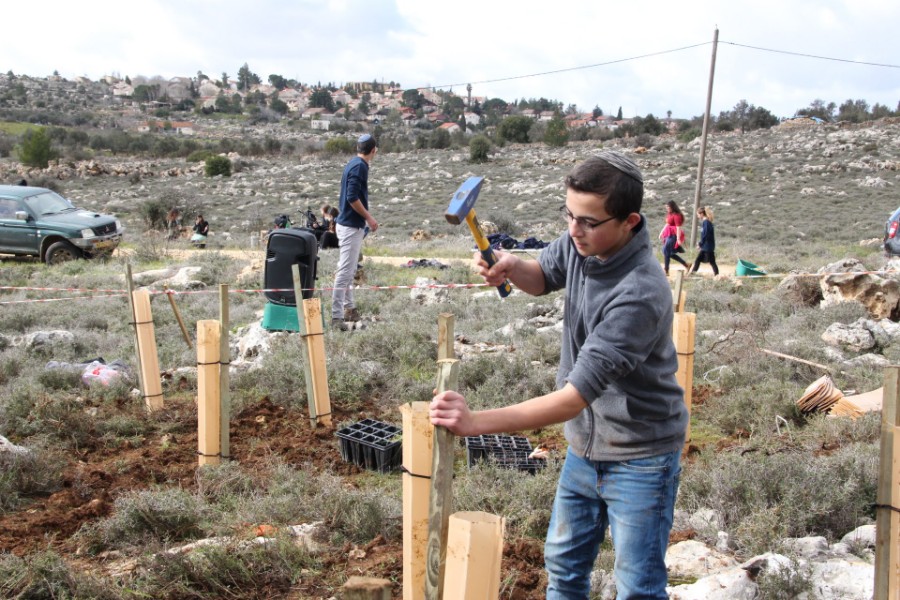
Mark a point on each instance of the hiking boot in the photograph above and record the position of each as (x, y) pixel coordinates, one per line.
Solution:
(339, 325)
(351, 314)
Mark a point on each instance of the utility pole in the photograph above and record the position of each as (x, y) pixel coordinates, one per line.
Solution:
(702, 160)
(469, 101)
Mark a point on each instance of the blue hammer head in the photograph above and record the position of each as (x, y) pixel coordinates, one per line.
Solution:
(463, 200)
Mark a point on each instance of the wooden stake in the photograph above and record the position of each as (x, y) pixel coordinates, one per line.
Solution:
(474, 555)
(366, 588)
(677, 294)
(417, 456)
(445, 336)
(184, 331)
(441, 489)
(129, 285)
(683, 336)
(149, 361)
(887, 495)
(309, 318)
(795, 359)
(224, 374)
(209, 449)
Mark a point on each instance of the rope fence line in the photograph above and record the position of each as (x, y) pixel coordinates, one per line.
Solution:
(90, 294)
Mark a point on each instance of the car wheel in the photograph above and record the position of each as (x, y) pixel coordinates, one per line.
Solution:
(61, 252)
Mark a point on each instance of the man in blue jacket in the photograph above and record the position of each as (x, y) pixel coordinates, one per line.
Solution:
(351, 222)
(624, 414)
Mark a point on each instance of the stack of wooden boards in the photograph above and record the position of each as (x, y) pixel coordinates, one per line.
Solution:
(823, 396)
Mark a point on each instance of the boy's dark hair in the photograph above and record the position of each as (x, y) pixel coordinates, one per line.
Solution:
(615, 178)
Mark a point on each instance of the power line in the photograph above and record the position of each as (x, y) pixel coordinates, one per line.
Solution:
(566, 70)
(632, 58)
(845, 60)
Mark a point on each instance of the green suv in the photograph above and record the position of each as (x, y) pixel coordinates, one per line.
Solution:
(39, 222)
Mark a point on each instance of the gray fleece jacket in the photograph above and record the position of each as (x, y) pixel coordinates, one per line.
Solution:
(617, 350)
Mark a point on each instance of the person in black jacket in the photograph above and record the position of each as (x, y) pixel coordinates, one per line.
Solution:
(707, 243)
(201, 230)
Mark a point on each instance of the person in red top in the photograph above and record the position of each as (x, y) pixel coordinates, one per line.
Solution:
(672, 235)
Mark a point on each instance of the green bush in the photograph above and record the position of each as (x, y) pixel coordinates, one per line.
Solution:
(479, 147)
(557, 133)
(340, 145)
(35, 149)
(201, 155)
(218, 165)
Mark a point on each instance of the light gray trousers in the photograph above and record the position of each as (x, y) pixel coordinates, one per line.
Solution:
(350, 240)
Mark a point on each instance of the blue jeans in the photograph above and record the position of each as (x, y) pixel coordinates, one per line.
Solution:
(636, 499)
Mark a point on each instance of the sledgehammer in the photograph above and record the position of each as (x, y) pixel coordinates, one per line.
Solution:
(462, 208)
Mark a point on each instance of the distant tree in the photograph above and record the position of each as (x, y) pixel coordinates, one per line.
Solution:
(479, 147)
(855, 111)
(35, 149)
(556, 134)
(224, 85)
(742, 114)
(819, 109)
(619, 114)
(440, 139)
(279, 106)
(127, 80)
(514, 129)
(572, 109)
(761, 118)
(321, 98)
(413, 98)
(880, 111)
(278, 82)
(201, 77)
(246, 78)
(597, 112)
(146, 93)
(649, 125)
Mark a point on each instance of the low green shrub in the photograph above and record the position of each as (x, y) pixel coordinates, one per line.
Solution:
(218, 165)
(340, 145)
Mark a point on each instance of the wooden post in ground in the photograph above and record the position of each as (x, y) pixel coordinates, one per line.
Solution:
(224, 375)
(209, 440)
(440, 502)
(149, 360)
(887, 496)
(679, 297)
(129, 285)
(683, 335)
(309, 317)
(366, 588)
(417, 451)
(184, 331)
(474, 554)
(446, 336)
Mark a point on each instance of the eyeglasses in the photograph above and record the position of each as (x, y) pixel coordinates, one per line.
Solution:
(585, 224)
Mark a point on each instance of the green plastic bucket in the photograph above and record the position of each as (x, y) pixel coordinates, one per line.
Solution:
(747, 269)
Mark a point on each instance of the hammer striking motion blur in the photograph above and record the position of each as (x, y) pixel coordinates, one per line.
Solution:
(462, 208)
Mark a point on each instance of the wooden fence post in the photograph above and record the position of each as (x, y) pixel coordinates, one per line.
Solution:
(417, 451)
(129, 285)
(184, 331)
(209, 439)
(678, 295)
(683, 335)
(224, 374)
(445, 336)
(440, 502)
(474, 556)
(366, 588)
(309, 319)
(887, 496)
(149, 360)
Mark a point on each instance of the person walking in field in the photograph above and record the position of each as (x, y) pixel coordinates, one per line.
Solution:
(353, 222)
(707, 243)
(672, 236)
(624, 413)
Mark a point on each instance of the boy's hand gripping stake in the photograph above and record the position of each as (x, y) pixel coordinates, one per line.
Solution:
(462, 209)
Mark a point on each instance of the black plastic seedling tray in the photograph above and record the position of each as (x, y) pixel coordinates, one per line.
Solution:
(507, 451)
(372, 445)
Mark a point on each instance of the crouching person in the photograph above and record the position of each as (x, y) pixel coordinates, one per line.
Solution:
(624, 414)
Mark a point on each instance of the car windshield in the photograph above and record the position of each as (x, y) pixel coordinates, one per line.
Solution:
(48, 203)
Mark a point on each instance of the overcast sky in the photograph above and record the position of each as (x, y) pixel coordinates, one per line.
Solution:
(643, 56)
